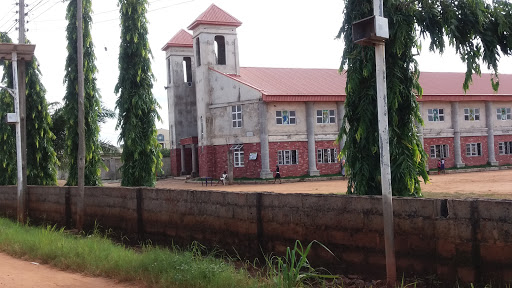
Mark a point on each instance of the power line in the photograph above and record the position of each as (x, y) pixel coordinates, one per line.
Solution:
(13, 25)
(149, 11)
(37, 5)
(7, 14)
(47, 9)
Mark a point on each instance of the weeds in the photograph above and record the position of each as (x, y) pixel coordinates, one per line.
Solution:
(294, 269)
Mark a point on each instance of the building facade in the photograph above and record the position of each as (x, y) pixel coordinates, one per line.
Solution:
(251, 119)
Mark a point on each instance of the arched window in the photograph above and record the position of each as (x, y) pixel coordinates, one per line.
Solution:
(220, 50)
(198, 52)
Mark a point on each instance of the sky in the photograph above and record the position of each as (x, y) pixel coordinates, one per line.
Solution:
(274, 33)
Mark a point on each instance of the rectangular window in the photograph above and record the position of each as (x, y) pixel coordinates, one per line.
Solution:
(327, 156)
(439, 151)
(436, 115)
(238, 157)
(505, 148)
(503, 114)
(471, 114)
(474, 149)
(288, 157)
(285, 117)
(236, 116)
(187, 70)
(169, 71)
(325, 116)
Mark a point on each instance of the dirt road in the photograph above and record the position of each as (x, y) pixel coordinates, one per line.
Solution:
(15, 273)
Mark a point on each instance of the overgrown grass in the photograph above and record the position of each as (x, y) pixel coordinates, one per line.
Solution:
(98, 256)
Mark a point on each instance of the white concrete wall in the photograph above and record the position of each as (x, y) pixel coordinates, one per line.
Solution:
(328, 131)
(181, 97)
(439, 128)
(223, 131)
(472, 128)
(297, 132)
(501, 127)
(226, 90)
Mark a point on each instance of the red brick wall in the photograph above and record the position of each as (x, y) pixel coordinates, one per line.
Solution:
(175, 162)
(327, 168)
(206, 161)
(502, 159)
(289, 170)
(251, 168)
(432, 162)
(474, 160)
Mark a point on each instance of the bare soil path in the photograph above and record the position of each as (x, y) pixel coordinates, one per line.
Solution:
(15, 273)
(490, 184)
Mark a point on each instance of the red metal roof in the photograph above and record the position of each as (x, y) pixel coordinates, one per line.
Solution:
(181, 39)
(215, 16)
(296, 84)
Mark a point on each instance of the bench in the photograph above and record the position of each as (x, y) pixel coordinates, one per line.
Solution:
(206, 180)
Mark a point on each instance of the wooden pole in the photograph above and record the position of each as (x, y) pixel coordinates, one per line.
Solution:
(22, 195)
(385, 166)
(81, 128)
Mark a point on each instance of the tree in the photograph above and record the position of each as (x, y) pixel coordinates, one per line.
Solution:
(93, 161)
(479, 31)
(7, 133)
(41, 157)
(136, 103)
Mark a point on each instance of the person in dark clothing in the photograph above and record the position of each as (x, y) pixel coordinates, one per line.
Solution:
(278, 175)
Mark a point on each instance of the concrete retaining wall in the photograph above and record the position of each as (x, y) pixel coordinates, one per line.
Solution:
(465, 239)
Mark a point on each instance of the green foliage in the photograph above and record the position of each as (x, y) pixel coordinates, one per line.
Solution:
(97, 255)
(92, 105)
(7, 132)
(475, 28)
(294, 269)
(41, 157)
(136, 104)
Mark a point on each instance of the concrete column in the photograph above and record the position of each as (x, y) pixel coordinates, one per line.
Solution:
(341, 115)
(419, 128)
(265, 172)
(194, 161)
(182, 160)
(489, 116)
(310, 123)
(456, 135)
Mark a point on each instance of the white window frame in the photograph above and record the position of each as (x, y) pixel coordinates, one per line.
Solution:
(325, 116)
(473, 149)
(236, 116)
(503, 114)
(432, 113)
(285, 157)
(439, 151)
(281, 117)
(238, 157)
(505, 148)
(476, 114)
(326, 156)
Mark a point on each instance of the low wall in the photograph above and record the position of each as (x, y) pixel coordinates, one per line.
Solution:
(465, 239)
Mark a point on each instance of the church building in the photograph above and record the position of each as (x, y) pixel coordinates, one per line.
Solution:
(256, 118)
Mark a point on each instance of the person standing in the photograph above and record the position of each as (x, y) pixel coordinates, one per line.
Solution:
(278, 175)
(438, 166)
(442, 166)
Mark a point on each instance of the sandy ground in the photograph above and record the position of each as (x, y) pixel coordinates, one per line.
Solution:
(492, 184)
(15, 273)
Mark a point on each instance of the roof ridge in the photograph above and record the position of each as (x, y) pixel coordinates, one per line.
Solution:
(214, 15)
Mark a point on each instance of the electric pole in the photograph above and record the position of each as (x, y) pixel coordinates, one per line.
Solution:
(22, 195)
(81, 127)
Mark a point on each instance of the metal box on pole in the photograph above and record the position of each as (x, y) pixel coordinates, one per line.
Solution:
(370, 31)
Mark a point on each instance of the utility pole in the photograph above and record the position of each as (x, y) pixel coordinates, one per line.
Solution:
(385, 166)
(22, 195)
(81, 126)
(374, 31)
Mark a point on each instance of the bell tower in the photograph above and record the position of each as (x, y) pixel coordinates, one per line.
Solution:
(215, 46)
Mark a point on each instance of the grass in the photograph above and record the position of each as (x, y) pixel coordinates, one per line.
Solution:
(97, 256)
